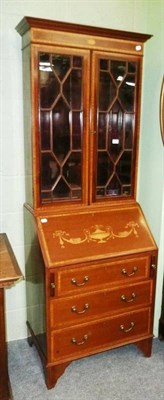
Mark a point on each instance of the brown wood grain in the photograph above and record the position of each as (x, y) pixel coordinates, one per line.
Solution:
(9, 274)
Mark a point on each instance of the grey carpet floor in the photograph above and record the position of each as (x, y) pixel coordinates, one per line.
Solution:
(120, 374)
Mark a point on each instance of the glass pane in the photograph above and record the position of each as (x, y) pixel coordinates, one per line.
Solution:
(123, 168)
(61, 190)
(60, 65)
(132, 67)
(129, 123)
(76, 130)
(100, 192)
(104, 64)
(118, 70)
(114, 188)
(46, 195)
(49, 89)
(126, 190)
(127, 92)
(67, 89)
(49, 85)
(72, 169)
(44, 61)
(102, 130)
(76, 193)
(107, 91)
(72, 89)
(77, 62)
(45, 129)
(105, 168)
(61, 129)
(76, 89)
(116, 129)
(50, 171)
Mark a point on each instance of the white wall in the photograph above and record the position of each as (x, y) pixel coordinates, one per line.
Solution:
(118, 14)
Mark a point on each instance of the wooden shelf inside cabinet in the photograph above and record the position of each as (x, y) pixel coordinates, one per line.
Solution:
(10, 273)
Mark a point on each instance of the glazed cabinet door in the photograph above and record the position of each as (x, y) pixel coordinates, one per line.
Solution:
(61, 103)
(115, 110)
(86, 125)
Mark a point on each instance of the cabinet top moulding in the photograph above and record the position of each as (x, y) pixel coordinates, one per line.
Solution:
(30, 22)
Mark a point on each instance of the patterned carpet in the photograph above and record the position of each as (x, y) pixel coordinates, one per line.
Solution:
(121, 374)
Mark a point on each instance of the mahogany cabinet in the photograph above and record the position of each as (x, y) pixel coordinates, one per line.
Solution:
(90, 256)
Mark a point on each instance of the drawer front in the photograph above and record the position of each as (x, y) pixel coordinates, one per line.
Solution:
(79, 341)
(77, 309)
(80, 279)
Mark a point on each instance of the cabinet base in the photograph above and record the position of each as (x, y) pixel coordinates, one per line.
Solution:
(53, 372)
(145, 346)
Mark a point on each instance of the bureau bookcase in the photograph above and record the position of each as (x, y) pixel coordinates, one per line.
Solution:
(90, 256)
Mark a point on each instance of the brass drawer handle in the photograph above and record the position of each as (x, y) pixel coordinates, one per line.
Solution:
(133, 296)
(132, 324)
(52, 285)
(124, 271)
(74, 341)
(74, 309)
(85, 280)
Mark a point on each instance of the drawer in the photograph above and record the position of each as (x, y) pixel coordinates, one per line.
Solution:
(81, 279)
(79, 341)
(77, 309)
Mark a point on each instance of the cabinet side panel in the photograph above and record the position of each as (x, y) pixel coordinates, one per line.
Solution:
(35, 281)
(27, 124)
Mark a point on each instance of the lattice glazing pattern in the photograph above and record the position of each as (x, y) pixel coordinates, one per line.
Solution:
(61, 116)
(116, 119)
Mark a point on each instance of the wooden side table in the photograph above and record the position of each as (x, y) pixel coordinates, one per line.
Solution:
(9, 274)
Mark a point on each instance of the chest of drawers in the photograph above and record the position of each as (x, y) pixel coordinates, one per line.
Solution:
(84, 302)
